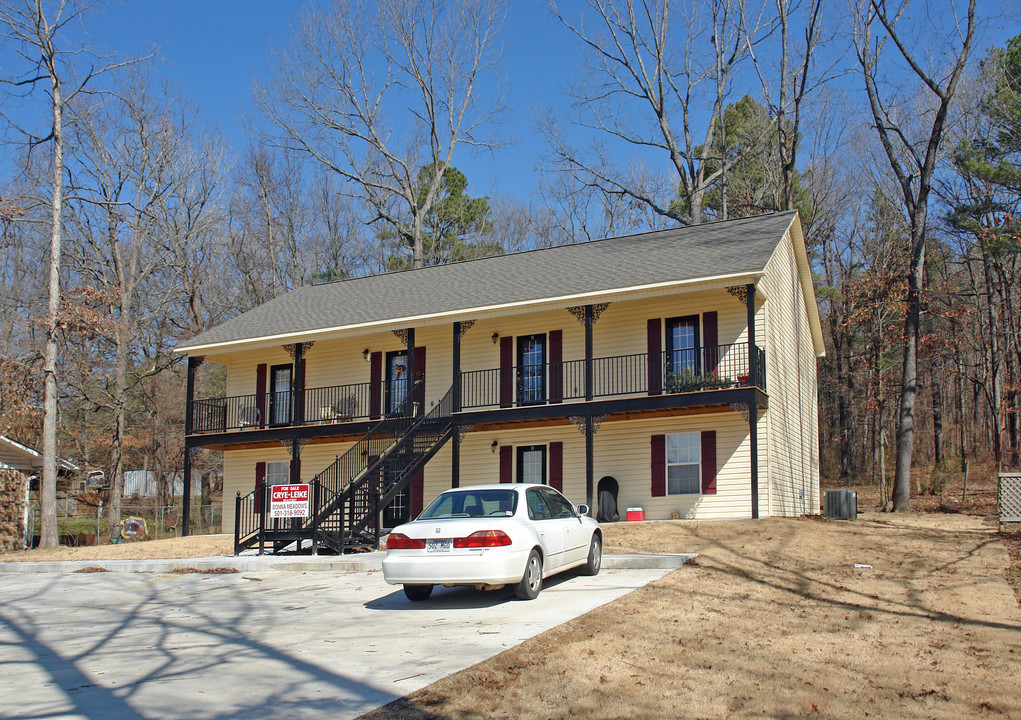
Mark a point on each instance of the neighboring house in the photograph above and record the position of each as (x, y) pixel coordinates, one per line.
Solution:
(144, 484)
(681, 362)
(18, 465)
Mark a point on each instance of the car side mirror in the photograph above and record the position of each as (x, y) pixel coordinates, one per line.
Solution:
(583, 509)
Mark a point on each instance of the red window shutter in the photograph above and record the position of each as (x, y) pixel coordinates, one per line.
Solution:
(506, 459)
(506, 371)
(417, 493)
(556, 466)
(261, 374)
(420, 375)
(375, 384)
(710, 342)
(658, 465)
(655, 358)
(260, 485)
(556, 367)
(709, 462)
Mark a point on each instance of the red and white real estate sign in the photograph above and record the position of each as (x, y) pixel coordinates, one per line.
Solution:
(289, 501)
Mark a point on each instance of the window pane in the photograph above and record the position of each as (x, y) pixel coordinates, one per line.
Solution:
(683, 448)
(531, 466)
(278, 473)
(537, 507)
(683, 480)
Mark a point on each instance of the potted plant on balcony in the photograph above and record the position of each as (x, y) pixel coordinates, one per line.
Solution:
(687, 380)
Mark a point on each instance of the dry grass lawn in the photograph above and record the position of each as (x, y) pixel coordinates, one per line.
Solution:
(773, 620)
(194, 546)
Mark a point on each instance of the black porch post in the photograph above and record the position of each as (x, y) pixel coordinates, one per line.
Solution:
(189, 384)
(589, 438)
(455, 381)
(455, 458)
(409, 347)
(750, 302)
(753, 403)
(589, 384)
(299, 384)
(186, 498)
(189, 415)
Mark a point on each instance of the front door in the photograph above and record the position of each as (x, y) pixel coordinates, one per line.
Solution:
(396, 379)
(280, 395)
(682, 342)
(531, 369)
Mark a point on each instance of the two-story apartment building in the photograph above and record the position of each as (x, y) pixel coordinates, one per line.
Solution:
(680, 362)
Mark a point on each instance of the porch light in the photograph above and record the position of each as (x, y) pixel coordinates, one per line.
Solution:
(496, 336)
(365, 354)
(494, 446)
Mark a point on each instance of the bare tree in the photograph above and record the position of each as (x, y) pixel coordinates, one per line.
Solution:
(912, 159)
(664, 60)
(794, 82)
(133, 161)
(338, 91)
(36, 32)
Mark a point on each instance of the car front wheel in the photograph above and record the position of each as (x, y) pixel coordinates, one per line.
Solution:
(531, 582)
(595, 557)
(418, 593)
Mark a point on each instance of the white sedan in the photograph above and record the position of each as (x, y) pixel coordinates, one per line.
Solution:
(490, 536)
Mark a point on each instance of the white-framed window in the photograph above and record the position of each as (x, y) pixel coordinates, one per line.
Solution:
(683, 464)
(278, 473)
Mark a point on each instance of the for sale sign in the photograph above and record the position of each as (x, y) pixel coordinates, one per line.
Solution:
(288, 501)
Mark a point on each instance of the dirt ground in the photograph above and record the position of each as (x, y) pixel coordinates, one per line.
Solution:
(195, 546)
(773, 619)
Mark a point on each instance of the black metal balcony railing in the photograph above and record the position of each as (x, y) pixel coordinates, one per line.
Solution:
(337, 403)
(715, 367)
(710, 368)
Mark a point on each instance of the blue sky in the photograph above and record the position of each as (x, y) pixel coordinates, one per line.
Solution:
(216, 48)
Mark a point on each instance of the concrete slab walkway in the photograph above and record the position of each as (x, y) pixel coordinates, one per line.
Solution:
(255, 644)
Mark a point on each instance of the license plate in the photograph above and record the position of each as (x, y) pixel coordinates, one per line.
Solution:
(440, 545)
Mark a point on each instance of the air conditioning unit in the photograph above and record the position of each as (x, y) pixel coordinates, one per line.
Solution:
(841, 504)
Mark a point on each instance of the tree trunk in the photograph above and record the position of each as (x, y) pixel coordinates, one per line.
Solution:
(909, 380)
(995, 360)
(48, 489)
(937, 423)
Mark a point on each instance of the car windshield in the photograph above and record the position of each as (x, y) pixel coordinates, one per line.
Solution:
(472, 503)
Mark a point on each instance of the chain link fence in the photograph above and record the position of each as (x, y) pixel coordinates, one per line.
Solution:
(84, 525)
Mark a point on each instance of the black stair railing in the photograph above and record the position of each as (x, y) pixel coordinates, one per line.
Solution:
(376, 441)
(394, 471)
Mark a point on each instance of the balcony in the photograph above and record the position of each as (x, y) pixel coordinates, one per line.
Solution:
(720, 367)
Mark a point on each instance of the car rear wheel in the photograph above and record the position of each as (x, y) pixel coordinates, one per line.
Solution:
(595, 557)
(418, 593)
(531, 582)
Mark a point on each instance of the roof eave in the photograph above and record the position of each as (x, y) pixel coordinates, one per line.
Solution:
(614, 294)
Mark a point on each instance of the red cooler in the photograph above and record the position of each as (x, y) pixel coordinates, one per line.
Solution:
(635, 514)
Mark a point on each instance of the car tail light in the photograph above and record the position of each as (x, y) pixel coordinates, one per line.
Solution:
(483, 539)
(399, 541)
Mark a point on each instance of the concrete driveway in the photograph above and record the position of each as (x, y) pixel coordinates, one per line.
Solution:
(255, 644)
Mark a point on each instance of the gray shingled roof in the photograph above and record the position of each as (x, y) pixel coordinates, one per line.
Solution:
(684, 253)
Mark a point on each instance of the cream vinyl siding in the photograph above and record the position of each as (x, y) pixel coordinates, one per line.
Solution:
(791, 422)
(239, 469)
(480, 465)
(624, 450)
